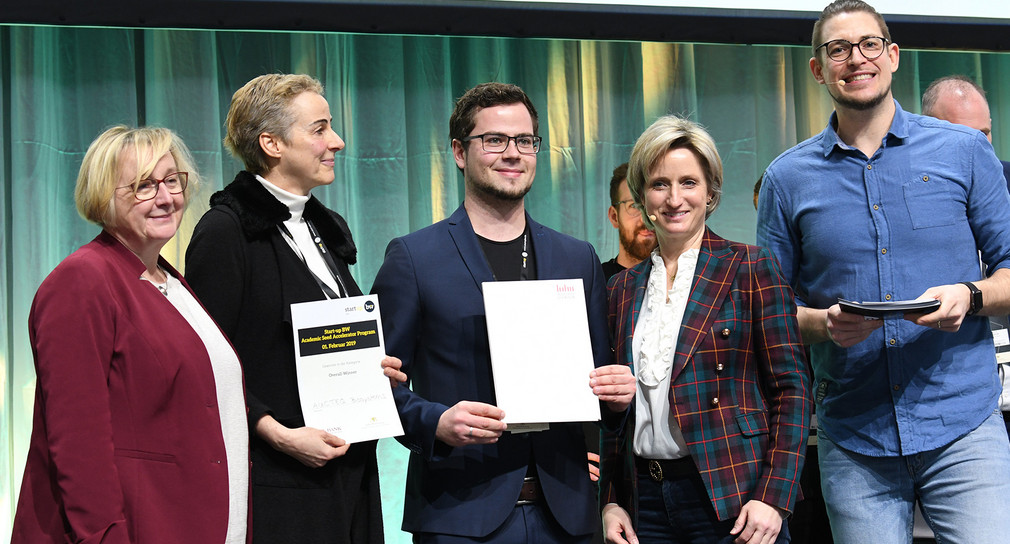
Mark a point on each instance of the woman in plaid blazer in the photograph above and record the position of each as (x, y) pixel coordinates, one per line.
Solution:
(712, 448)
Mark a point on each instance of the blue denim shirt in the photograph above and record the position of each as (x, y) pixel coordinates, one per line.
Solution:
(888, 227)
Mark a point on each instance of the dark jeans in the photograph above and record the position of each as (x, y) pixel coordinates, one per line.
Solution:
(678, 511)
(809, 522)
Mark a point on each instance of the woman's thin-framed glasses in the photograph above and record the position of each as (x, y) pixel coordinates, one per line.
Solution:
(870, 47)
(492, 142)
(146, 189)
(629, 206)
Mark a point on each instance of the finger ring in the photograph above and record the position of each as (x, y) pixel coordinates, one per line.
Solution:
(939, 323)
(470, 434)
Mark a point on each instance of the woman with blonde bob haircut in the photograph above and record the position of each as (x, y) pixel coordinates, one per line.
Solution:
(665, 134)
(139, 431)
(713, 447)
(101, 169)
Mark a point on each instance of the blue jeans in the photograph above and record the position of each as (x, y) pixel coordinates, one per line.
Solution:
(964, 489)
(678, 511)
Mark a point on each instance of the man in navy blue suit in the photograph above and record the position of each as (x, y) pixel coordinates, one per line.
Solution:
(958, 99)
(469, 478)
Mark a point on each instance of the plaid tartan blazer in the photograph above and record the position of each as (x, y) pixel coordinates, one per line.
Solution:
(740, 389)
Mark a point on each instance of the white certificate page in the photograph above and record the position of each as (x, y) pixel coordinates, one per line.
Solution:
(338, 355)
(541, 355)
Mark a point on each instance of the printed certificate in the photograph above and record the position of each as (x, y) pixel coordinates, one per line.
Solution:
(338, 354)
(541, 355)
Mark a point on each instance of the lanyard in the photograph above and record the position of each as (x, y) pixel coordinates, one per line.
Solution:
(524, 274)
(327, 260)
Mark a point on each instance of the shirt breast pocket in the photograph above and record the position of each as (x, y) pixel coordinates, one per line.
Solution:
(931, 202)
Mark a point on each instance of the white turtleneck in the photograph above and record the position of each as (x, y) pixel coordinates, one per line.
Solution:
(301, 241)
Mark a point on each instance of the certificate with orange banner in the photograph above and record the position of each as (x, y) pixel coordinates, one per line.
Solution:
(338, 355)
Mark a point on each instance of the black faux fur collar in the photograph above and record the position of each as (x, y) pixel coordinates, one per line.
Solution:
(259, 213)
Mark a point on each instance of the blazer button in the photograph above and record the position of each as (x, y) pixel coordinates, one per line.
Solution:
(725, 333)
(715, 401)
(719, 367)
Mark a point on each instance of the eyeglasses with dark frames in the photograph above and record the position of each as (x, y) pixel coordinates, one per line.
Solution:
(492, 142)
(146, 189)
(870, 47)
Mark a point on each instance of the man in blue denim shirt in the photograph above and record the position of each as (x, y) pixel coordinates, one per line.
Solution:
(885, 205)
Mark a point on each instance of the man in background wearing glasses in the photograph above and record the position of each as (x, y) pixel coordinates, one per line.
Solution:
(887, 206)
(637, 242)
(470, 479)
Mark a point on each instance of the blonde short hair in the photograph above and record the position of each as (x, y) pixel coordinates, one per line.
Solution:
(667, 133)
(262, 105)
(102, 167)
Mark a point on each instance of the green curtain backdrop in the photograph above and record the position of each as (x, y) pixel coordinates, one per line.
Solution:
(390, 97)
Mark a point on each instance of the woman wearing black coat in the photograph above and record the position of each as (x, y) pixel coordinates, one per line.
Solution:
(265, 244)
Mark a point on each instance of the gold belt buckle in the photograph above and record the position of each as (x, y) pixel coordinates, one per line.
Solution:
(655, 471)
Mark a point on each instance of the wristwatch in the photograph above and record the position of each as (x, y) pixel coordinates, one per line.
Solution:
(976, 298)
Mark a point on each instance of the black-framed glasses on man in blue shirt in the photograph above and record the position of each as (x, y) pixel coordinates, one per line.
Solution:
(870, 47)
(493, 142)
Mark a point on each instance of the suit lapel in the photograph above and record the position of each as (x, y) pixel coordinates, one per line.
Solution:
(633, 296)
(543, 249)
(713, 277)
(461, 232)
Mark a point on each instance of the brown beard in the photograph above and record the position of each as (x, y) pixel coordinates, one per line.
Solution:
(636, 248)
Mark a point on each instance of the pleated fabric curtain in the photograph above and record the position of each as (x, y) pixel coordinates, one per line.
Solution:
(390, 97)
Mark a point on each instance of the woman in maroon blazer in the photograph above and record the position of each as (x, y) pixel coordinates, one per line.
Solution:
(712, 449)
(139, 429)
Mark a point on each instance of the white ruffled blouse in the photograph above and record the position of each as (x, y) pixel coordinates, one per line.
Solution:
(657, 435)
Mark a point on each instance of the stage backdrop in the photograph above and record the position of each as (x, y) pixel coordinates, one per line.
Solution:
(390, 97)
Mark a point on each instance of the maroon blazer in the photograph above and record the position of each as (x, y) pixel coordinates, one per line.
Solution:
(126, 441)
(740, 385)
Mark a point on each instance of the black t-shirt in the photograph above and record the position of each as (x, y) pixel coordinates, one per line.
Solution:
(507, 258)
(611, 268)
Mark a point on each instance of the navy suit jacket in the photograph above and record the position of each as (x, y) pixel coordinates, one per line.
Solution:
(429, 290)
